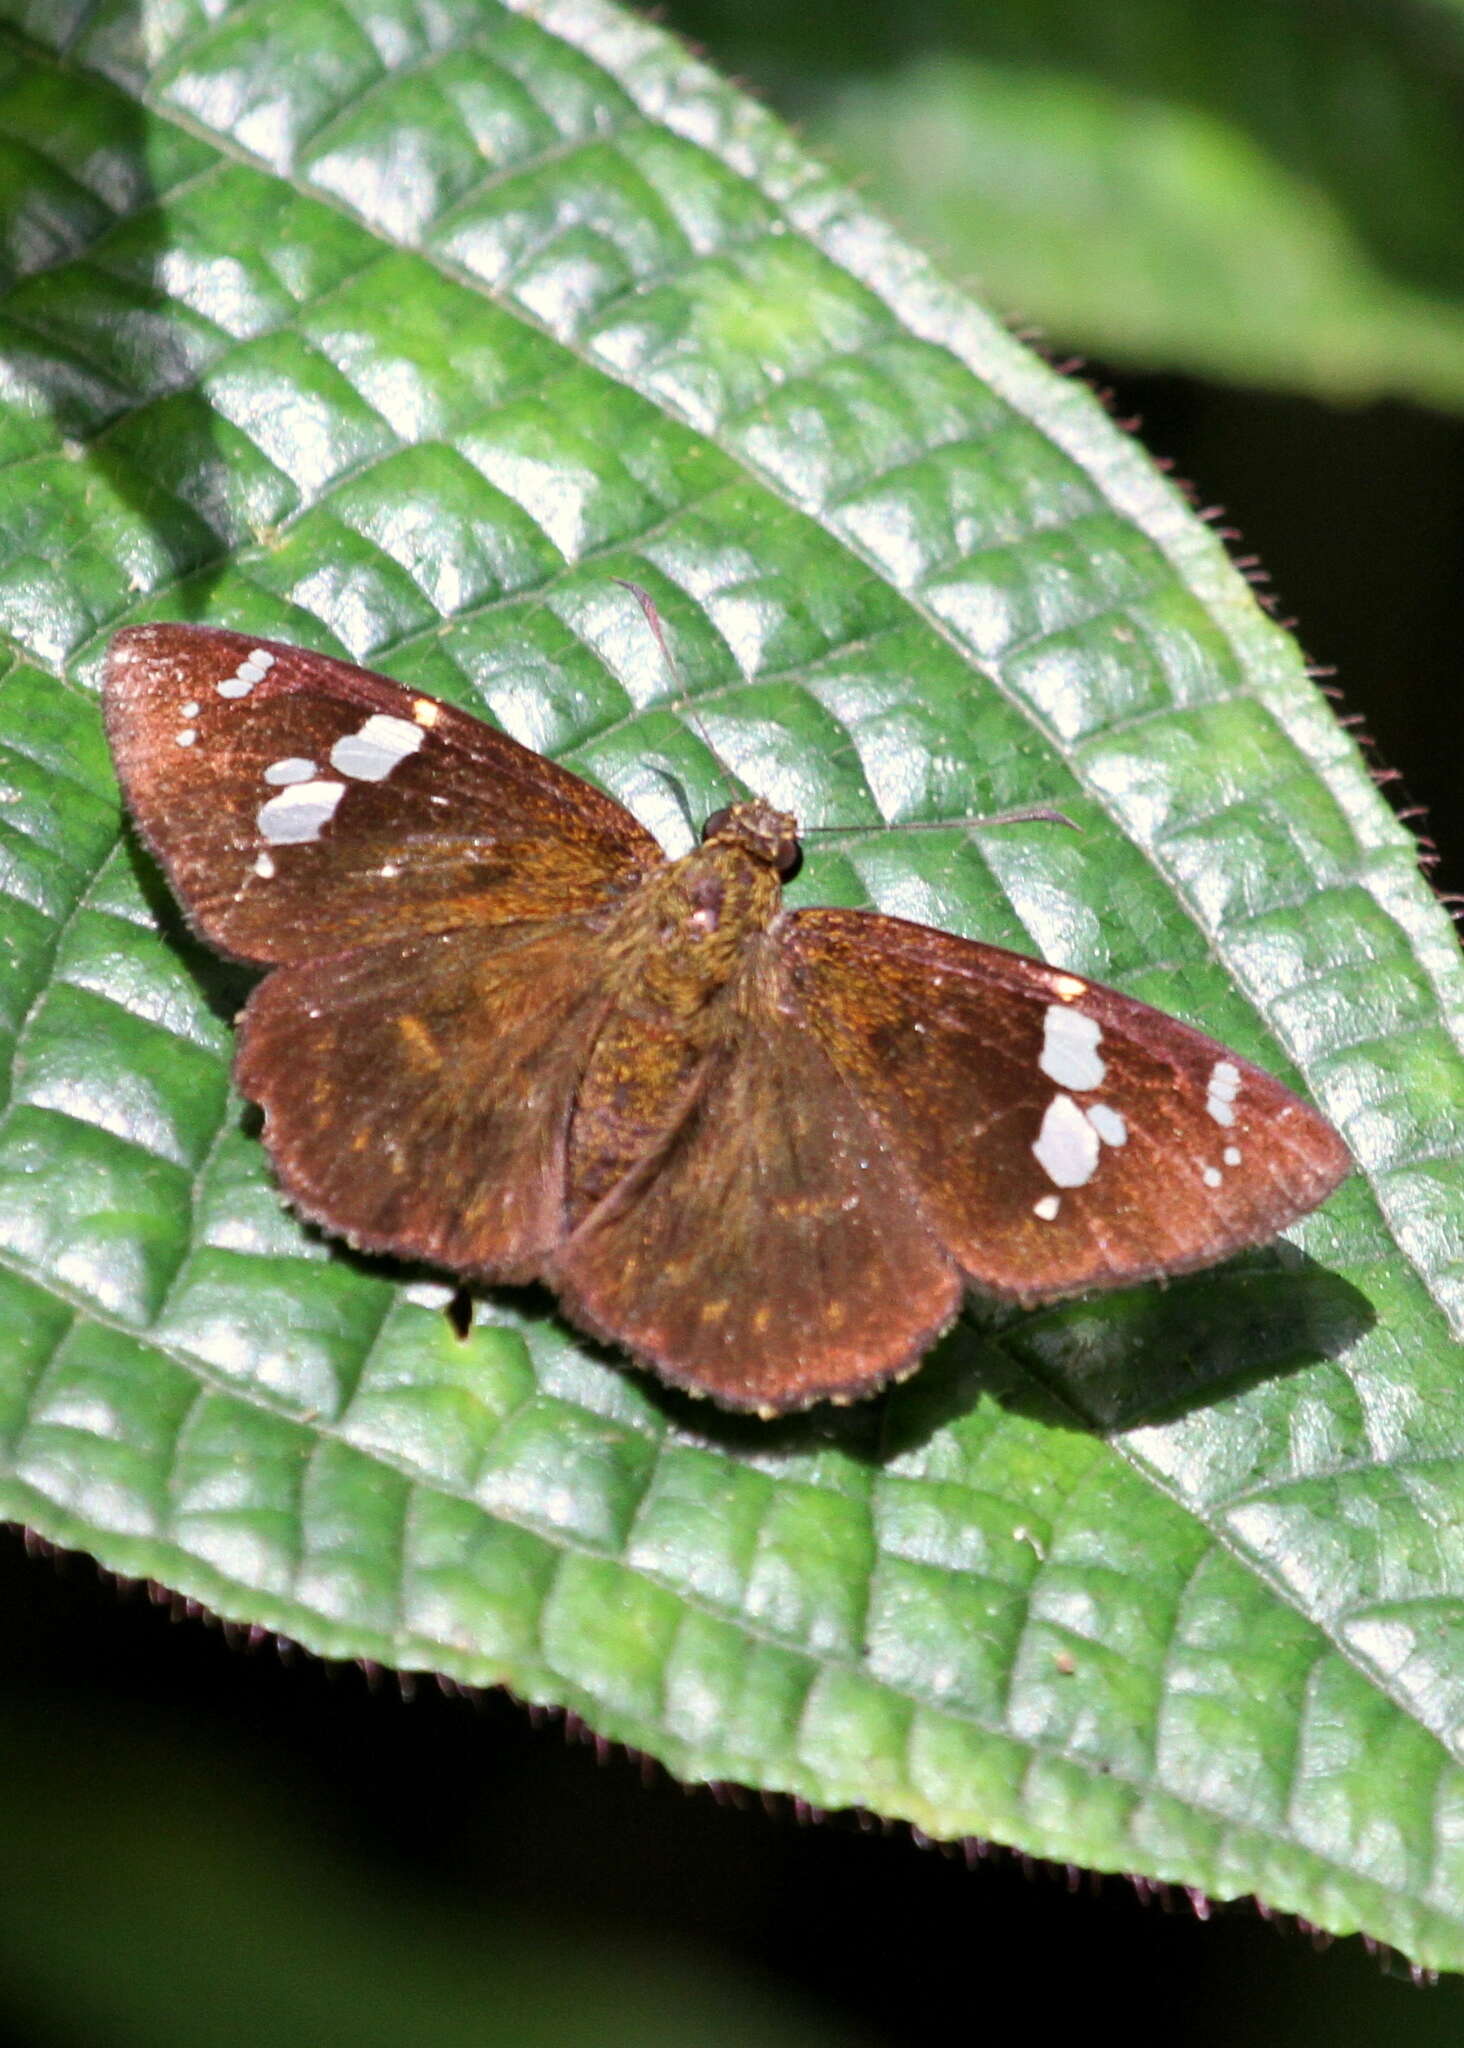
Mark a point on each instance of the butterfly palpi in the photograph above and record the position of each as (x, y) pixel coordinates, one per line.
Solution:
(764, 1150)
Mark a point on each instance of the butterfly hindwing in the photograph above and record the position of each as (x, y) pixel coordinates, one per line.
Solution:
(768, 1252)
(300, 805)
(417, 1095)
(1058, 1136)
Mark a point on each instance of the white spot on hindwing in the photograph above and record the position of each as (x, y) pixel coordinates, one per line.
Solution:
(264, 867)
(1067, 1145)
(253, 669)
(1232, 1155)
(299, 812)
(1212, 1176)
(1069, 1053)
(294, 768)
(1047, 1208)
(191, 709)
(1224, 1086)
(382, 743)
(188, 735)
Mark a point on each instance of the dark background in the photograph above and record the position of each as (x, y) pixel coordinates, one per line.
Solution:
(428, 1849)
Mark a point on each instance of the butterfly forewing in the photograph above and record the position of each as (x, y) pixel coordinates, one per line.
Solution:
(301, 805)
(1058, 1135)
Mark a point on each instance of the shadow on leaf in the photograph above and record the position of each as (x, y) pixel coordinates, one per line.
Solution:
(224, 984)
(1117, 1360)
(1101, 1364)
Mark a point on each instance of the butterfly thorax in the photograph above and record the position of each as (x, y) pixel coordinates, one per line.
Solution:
(680, 937)
(680, 948)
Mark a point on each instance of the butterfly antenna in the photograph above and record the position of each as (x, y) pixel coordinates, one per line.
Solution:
(1029, 814)
(685, 703)
(1024, 814)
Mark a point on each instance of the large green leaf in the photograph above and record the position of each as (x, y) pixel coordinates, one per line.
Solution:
(404, 330)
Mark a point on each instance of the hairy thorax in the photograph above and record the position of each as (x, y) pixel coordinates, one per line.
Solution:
(678, 949)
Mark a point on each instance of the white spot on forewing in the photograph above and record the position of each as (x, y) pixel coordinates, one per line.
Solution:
(1212, 1176)
(1232, 1155)
(1224, 1086)
(188, 735)
(1069, 1053)
(264, 867)
(382, 743)
(1068, 987)
(294, 768)
(1108, 1123)
(299, 812)
(191, 709)
(1047, 1208)
(426, 712)
(1067, 1145)
(255, 666)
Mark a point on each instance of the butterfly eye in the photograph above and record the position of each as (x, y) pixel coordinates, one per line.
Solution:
(717, 822)
(790, 858)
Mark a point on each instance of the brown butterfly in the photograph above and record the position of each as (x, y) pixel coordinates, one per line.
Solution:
(764, 1150)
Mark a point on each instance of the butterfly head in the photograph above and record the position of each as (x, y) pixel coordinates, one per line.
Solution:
(770, 836)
